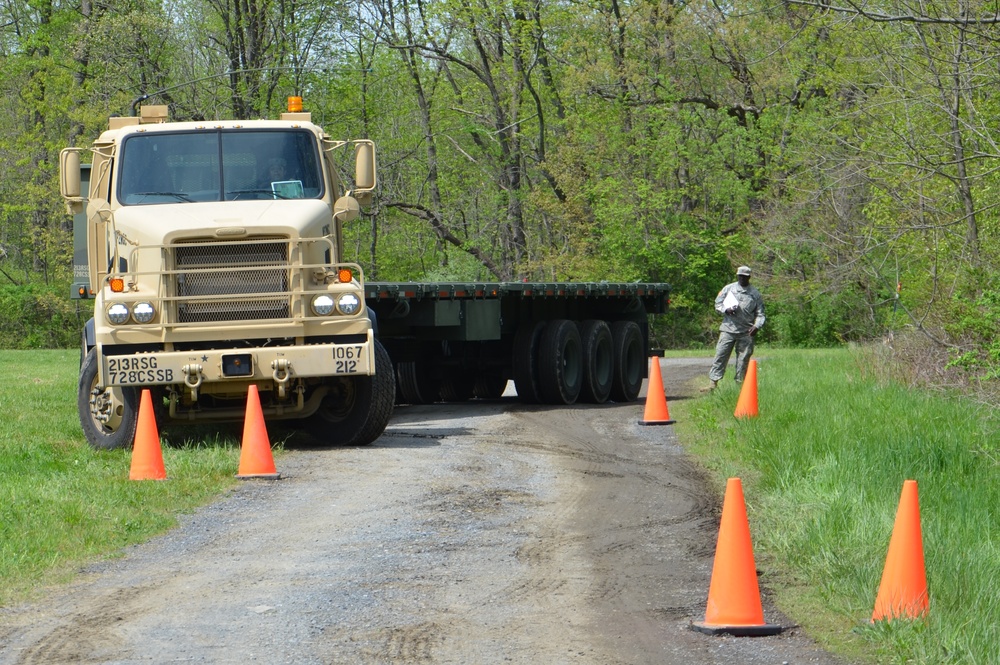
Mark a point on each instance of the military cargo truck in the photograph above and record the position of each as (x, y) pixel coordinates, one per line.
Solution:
(213, 251)
(214, 260)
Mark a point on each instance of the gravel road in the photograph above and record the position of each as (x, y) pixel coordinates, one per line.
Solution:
(486, 532)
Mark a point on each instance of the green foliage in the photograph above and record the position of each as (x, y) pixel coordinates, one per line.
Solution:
(979, 323)
(822, 468)
(660, 142)
(696, 264)
(803, 315)
(36, 316)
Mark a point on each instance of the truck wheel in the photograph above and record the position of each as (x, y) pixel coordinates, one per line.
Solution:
(417, 384)
(630, 359)
(598, 361)
(560, 366)
(108, 415)
(358, 408)
(525, 362)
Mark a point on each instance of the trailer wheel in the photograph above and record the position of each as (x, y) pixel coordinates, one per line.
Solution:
(416, 383)
(560, 366)
(109, 415)
(630, 361)
(490, 386)
(399, 388)
(525, 362)
(458, 386)
(358, 408)
(598, 361)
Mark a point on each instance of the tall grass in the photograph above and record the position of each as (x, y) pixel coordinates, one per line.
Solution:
(823, 467)
(62, 503)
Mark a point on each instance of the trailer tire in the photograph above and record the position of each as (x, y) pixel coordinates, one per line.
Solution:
(560, 366)
(108, 417)
(399, 388)
(416, 383)
(357, 410)
(598, 361)
(458, 386)
(490, 386)
(630, 361)
(525, 362)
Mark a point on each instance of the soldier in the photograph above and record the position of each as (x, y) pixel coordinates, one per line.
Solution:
(742, 309)
(276, 169)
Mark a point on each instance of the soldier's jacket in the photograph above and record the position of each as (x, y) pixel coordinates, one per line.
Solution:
(749, 313)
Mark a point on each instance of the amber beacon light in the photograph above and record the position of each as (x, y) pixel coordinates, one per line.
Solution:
(294, 104)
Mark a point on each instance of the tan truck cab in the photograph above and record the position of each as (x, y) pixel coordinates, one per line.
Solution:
(215, 261)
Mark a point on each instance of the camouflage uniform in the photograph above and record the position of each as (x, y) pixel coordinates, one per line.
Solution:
(735, 328)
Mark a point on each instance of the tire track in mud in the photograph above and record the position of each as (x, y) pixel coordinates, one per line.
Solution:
(502, 500)
(617, 468)
(403, 644)
(77, 637)
(656, 521)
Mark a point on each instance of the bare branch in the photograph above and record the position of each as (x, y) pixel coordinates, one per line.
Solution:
(443, 232)
(878, 17)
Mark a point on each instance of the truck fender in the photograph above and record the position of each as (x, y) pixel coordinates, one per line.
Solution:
(88, 340)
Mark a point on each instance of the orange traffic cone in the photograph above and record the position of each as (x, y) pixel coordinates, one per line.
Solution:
(733, 595)
(256, 460)
(903, 591)
(746, 405)
(147, 457)
(656, 412)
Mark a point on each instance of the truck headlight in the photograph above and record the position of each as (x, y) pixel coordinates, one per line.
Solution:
(117, 313)
(348, 303)
(322, 305)
(143, 312)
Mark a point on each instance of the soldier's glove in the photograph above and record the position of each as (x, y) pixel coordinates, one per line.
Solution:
(753, 330)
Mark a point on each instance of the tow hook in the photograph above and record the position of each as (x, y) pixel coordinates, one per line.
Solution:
(192, 378)
(281, 374)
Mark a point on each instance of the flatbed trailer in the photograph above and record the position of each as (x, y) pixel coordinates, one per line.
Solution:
(559, 342)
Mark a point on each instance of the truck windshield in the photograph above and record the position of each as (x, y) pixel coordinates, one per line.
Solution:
(222, 165)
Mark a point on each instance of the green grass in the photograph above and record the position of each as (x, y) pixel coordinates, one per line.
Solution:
(823, 467)
(63, 504)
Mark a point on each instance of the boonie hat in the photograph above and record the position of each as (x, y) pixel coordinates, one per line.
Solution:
(743, 270)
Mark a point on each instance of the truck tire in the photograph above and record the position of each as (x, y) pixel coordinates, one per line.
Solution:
(416, 383)
(108, 416)
(525, 361)
(357, 411)
(630, 358)
(598, 361)
(560, 362)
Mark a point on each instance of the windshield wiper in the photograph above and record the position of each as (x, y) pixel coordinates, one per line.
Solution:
(176, 195)
(235, 193)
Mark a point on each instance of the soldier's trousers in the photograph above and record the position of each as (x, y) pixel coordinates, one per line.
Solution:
(743, 343)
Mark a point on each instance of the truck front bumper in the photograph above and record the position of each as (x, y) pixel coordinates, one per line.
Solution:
(278, 363)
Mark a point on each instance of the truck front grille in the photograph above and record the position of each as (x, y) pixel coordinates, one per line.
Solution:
(250, 279)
